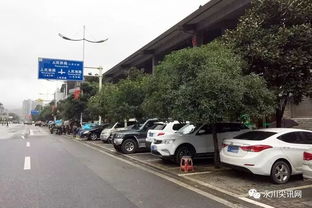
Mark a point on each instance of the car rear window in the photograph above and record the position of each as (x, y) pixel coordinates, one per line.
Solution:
(120, 125)
(158, 126)
(178, 126)
(255, 135)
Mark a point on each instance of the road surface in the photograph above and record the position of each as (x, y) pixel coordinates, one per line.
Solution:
(40, 170)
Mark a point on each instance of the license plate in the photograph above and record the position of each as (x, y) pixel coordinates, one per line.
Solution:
(154, 147)
(233, 149)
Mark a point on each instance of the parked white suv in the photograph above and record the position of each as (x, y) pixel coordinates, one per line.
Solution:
(193, 140)
(112, 128)
(275, 152)
(167, 129)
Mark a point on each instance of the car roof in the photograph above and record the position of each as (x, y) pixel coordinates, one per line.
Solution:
(160, 123)
(282, 130)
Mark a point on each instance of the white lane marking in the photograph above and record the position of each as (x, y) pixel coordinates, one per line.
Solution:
(285, 190)
(228, 192)
(23, 137)
(172, 168)
(31, 132)
(27, 144)
(27, 163)
(184, 185)
(195, 173)
(255, 202)
(153, 160)
(143, 153)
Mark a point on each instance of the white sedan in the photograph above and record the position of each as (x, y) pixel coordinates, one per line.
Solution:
(275, 152)
(307, 164)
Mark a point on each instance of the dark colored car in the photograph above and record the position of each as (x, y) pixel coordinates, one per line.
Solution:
(130, 141)
(93, 132)
(38, 123)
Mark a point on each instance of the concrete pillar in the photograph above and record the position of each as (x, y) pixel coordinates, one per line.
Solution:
(154, 63)
(197, 39)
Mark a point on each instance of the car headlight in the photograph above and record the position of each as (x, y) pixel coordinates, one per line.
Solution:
(118, 136)
(86, 132)
(168, 141)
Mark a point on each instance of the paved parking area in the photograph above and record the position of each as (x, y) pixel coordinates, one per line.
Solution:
(296, 193)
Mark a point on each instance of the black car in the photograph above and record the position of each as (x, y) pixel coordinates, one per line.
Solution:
(92, 133)
(130, 141)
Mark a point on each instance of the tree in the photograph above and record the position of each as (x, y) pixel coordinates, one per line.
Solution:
(205, 85)
(14, 116)
(72, 108)
(46, 113)
(274, 37)
(123, 100)
(103, 102)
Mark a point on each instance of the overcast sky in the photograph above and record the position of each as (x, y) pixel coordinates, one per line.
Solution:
(29, 29)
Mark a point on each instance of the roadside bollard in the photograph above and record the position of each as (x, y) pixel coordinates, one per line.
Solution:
(186, 164)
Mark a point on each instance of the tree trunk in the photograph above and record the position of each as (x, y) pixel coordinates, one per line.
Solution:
(217, 162)
(280, 111)
(279, 116)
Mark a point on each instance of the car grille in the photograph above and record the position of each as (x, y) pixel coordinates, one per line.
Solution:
(157, 141)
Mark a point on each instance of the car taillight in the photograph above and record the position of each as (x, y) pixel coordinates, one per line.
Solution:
(161, 133)
(255, 148)
(224, 145)
(307, 156)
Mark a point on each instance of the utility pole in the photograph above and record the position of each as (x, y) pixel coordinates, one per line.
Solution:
(100, 76)
(83, 56)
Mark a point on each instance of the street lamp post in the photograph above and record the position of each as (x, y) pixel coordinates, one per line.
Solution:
(83, 55)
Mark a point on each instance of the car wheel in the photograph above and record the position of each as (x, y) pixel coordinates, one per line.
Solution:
(280, 172)
(93, 137)
(183, 151)
(129, 146)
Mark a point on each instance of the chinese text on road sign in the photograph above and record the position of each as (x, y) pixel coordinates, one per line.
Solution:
(60, 69)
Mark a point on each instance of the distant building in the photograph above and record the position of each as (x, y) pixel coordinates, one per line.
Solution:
(1, 109)
(59, 95)
(28, 106)
(3, 113)
(68, 88)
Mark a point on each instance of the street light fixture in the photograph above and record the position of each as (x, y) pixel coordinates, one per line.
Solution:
(91, 41)
(83, 39)
(83, 57)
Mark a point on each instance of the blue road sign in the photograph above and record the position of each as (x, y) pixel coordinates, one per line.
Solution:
(60, 69)
(34, 112)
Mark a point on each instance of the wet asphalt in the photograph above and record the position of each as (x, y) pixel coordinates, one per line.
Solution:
(64, 173)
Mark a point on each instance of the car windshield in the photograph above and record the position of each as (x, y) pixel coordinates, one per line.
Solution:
(255, 135)
(188, 129)
(110, 126)
(158, 126)
(147, 124)
(134, 126)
